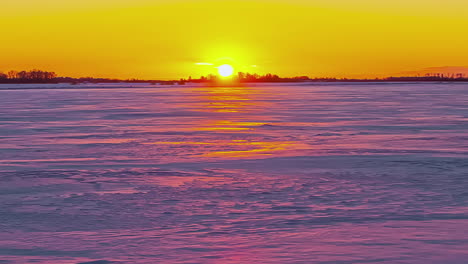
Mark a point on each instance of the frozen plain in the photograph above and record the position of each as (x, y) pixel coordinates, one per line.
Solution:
(295, 173)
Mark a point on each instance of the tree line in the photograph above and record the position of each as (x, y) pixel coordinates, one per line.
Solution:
(28, 76)
(39, 76)
(245, 77)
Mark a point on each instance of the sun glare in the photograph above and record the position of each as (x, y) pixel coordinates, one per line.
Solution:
(225, 70)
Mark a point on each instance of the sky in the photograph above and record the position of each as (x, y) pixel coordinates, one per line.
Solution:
(170, 39)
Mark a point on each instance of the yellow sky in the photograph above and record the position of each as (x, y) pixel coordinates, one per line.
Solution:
(164, 39)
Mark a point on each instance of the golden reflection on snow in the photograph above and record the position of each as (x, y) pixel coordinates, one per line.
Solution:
(233, 109)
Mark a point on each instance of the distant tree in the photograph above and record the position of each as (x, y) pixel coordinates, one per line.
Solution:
(22, 75)
(212, 77)
(51, 75)
(12, 75)
(250, 77)
(3, 76)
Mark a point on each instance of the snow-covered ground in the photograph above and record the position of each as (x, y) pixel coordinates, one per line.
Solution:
(301, 173)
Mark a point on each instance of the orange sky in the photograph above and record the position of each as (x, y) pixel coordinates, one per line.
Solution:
(164, 39)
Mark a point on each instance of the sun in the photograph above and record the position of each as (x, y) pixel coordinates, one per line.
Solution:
(225, 70)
